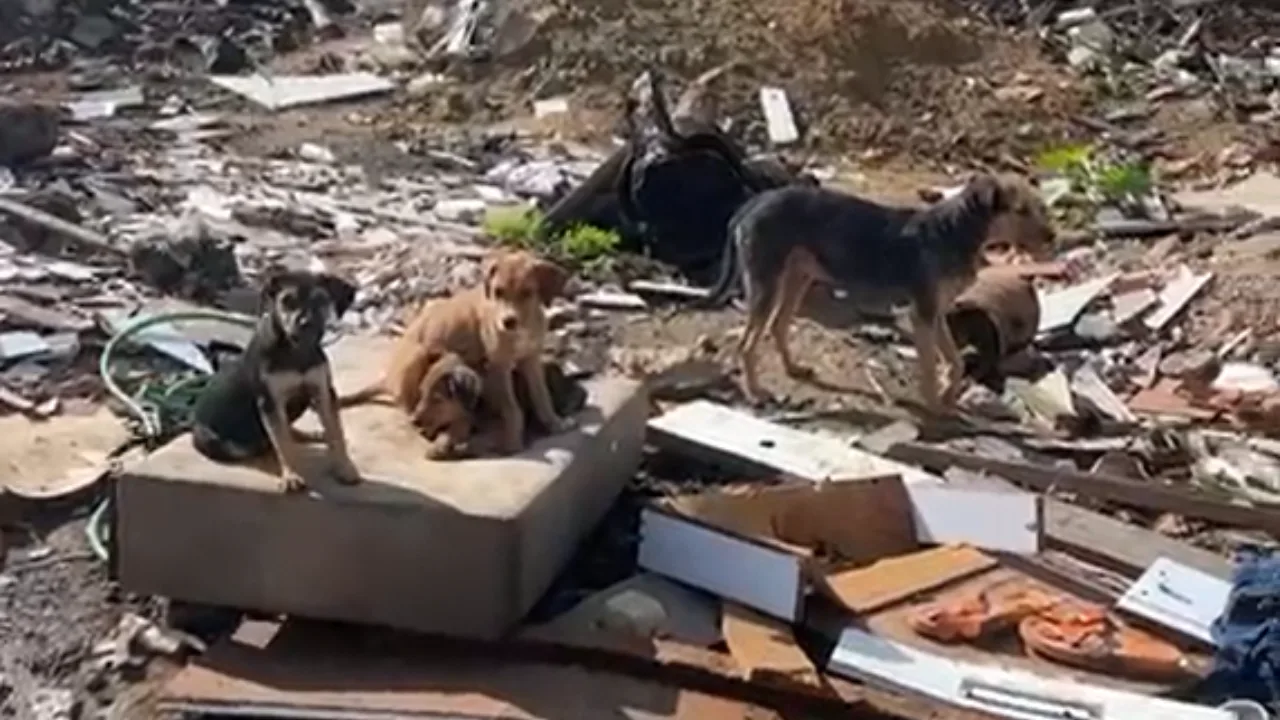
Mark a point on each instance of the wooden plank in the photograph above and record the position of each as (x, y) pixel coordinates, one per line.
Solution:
(1118, 545)
(767, 652)
(867, 589)
(1149, 495)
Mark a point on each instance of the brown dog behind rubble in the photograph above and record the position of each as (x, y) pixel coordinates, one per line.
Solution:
(496, 328)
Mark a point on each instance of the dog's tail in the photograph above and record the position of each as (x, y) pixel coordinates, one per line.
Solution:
(730, 269)
(373, 393)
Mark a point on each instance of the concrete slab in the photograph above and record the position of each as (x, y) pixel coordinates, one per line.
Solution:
(462, 547)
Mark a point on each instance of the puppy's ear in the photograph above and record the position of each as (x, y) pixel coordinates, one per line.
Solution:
(272, 282)
(488, 266)
(341, 292)
(551, 279)
(987, 191)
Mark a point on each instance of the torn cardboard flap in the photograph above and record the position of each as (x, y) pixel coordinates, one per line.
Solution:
(859, 521)
(762, 548)
(767, 651)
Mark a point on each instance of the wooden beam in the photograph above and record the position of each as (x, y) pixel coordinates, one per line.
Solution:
(1117, 545)
(1148, 494)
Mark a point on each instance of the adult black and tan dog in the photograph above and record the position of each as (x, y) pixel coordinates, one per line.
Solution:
(782, 241)
(249, 406)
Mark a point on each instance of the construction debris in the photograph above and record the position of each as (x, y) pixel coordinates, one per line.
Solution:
(1115, 441)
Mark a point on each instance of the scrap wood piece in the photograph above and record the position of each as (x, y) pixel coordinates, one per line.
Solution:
(1003, 692)
(767, 652)
(83, 236)
(1165, 398)
(328, 682)
(23, 312)
(1106, 487)
(390, 674)
(722, 434)
(891, 580)
(1119, 545)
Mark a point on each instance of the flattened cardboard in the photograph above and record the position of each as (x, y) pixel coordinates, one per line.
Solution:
(893, 579)
(756, 547)
(767, 652)
(860, 521)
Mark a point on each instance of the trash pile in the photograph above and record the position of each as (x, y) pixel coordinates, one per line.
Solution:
(1056, 549)
(213, 37)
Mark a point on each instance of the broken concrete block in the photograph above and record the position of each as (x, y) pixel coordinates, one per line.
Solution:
(455, 547)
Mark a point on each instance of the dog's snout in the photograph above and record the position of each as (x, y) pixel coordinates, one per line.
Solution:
(509, 322)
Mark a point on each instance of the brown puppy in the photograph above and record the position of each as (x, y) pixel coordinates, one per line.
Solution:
(448, 398)
(783, 241)
(498, 326)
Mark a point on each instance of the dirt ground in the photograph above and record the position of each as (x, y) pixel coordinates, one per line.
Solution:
(890, 92)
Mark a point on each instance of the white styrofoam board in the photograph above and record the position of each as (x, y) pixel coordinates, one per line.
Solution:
(794, 452)
(1005, 692)
(766, 579)
(778, 118)
(280, 92)
(1178, 597)
(1008, 521)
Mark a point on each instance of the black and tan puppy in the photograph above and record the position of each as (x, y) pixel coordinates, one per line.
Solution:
(783, 241)
(249, 406)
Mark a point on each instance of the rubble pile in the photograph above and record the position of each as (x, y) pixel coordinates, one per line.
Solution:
(1059, 546)
(215, 37)
(936, 85)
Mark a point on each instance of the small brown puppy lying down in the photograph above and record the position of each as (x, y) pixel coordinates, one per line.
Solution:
(497, 328)
(448, 400)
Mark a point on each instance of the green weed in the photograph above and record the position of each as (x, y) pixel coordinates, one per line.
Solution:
(578, 244)
(1099, 179)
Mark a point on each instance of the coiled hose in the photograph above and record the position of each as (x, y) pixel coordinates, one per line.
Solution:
(151, 417)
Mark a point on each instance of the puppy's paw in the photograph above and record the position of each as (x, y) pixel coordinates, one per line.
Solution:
(798, 371)
(291, 481)
(346, 473)
(439, 448)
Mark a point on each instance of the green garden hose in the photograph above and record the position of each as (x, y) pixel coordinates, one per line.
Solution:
(151, 408)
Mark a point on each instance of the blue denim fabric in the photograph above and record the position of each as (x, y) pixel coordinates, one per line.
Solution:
(1247, 661)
